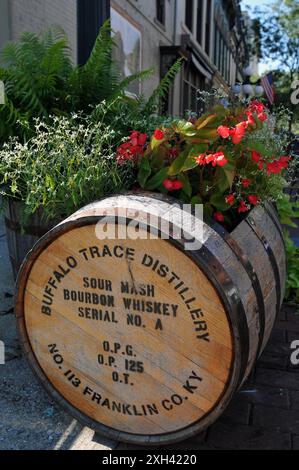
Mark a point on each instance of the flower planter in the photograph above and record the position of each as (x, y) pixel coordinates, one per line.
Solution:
(140, 339)
(20, 239)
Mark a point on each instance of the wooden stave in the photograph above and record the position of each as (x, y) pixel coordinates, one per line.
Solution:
(234, 307)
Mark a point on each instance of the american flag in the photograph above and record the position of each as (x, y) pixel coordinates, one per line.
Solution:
(267, 84)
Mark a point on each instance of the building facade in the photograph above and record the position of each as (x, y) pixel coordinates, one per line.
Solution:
(208, 34)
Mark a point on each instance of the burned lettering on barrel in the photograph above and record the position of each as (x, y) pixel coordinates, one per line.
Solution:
(57, 277)
(174, 280)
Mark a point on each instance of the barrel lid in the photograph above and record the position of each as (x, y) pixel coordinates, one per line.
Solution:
(132, 336)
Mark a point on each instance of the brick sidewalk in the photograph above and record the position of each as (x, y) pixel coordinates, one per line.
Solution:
(265, 412)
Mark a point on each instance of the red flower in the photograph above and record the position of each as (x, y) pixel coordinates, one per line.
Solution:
(201, 159)
(256, 157)
(256, 107)
(171, 185)
(238, 132)
(262, 117)
(137, 138)
(218, 216)
(142, 139)
(250, 119)
(242, 207)
(236, 139)
(230, 199)
(245, 182)
(217, 158)
(177, 184)
(168, 184)
(223, 131)
(158, 134)
(277, 165)
(133, 149)
(254, 200)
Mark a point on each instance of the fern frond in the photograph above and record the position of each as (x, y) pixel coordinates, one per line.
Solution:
(161, 91)
(123, 85)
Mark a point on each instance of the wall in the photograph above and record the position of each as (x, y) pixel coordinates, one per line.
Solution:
(38, 15)
(142, 13)
(4, 22)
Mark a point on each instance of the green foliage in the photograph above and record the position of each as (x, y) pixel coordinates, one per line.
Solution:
(35, 74)
(289, 212)
(161, 91)
(195, 162)
(276, 28)
(40, 81)
(66, 165)
(292, 282)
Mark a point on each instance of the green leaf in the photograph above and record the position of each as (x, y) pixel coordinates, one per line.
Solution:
(218, 201)
(187, 189)
(227, 174)
(190, 162)
(157, 179)
(144, 171)
(202, 122)
(49, 182)
(196, 200)
(155, 143)
(208, 210)
(186, 128)
(177, 164)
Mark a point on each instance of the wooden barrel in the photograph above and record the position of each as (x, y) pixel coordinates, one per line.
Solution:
(21, 236)
(146, 339)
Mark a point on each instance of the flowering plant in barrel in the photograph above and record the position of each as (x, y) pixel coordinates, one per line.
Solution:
(229, 160)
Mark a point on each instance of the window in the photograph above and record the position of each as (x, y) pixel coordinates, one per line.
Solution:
(160, 6)
(193, 81)
(216, 44)
(208, 27)
(128, 53)
(199, 21)
(189, 14)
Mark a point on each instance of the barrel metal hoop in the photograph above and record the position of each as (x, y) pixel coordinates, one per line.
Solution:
(251, 222)
(209, 263)
(244, 260)
(272, 213)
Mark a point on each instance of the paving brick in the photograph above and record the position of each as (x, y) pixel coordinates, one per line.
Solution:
(295, 442)
(282, 315)
(278, 348)
(280, 379)
(279, 336)
(289, 325)
(237, 412)
(279, 420)
(224, 436)
(294, 400)
(292, 336)
(292, 315)
(272, 361)
(264, 395)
